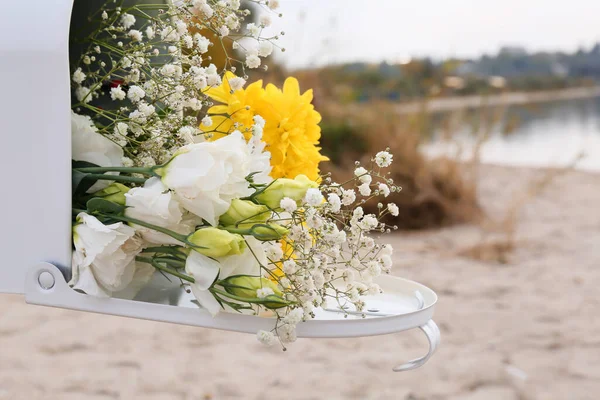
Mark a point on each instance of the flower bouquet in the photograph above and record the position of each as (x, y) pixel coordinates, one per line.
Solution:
(183, 173)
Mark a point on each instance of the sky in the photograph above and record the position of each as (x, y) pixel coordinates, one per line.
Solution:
(321, 32)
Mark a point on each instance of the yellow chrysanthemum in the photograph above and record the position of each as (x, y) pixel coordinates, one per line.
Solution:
(292, 129)
(238, 107)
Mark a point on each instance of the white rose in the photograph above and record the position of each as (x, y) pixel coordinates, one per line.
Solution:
(104, 256)
(207, 176)
(155, 205)
(88, 145)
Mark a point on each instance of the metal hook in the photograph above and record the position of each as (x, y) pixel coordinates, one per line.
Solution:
(431, 330)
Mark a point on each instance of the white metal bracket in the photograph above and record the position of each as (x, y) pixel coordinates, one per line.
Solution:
(45, 285)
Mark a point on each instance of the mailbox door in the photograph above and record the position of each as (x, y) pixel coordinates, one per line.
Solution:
(35, 132)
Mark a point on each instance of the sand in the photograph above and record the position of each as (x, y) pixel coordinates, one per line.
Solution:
(523, 329)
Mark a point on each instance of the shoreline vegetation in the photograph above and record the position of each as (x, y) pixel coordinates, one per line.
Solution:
(437, 191)
(455, 103)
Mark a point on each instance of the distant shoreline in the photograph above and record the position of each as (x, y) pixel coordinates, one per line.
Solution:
(504, 99)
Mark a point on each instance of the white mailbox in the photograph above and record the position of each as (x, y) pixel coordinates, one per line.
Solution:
(36, 202)
(35, 126)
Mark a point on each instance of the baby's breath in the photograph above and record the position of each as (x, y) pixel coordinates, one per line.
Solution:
(148, 66)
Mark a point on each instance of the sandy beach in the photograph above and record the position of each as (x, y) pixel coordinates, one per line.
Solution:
(523, 329)
(439, 104)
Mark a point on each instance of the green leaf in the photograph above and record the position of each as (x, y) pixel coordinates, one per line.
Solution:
(98, 205)
(80, 182)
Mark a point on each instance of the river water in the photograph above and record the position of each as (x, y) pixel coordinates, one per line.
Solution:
(550, 134)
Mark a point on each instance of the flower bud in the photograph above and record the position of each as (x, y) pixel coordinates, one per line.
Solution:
(246, 287)
(115, 193)
(244, 214)
(293, 188)
(217, 242)
(268, 232)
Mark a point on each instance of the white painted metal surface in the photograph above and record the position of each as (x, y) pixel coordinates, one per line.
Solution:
(35, 126)
(406, 305)
(399, 308)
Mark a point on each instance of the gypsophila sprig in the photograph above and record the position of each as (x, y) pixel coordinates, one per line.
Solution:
(329, 257)
(149, 66)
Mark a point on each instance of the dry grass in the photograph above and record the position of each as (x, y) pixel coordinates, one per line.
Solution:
(434, 192)
(499, 235)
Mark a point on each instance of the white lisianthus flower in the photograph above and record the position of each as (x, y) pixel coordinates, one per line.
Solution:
(155, 205)
(247, 263)
(204, 270)
(104, 256)
(89, 145)
(207, 176)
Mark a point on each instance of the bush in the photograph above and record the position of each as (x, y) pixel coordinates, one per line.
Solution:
(434, 192)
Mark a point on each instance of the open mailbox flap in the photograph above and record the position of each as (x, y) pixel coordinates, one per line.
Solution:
(35, 126)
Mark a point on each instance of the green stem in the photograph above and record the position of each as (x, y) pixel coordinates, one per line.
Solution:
(171, 261)
(162, 268)
(118, 178)
(168, 232)
(127, 170)
(214, 290)
(172, 250)
(243, 232)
